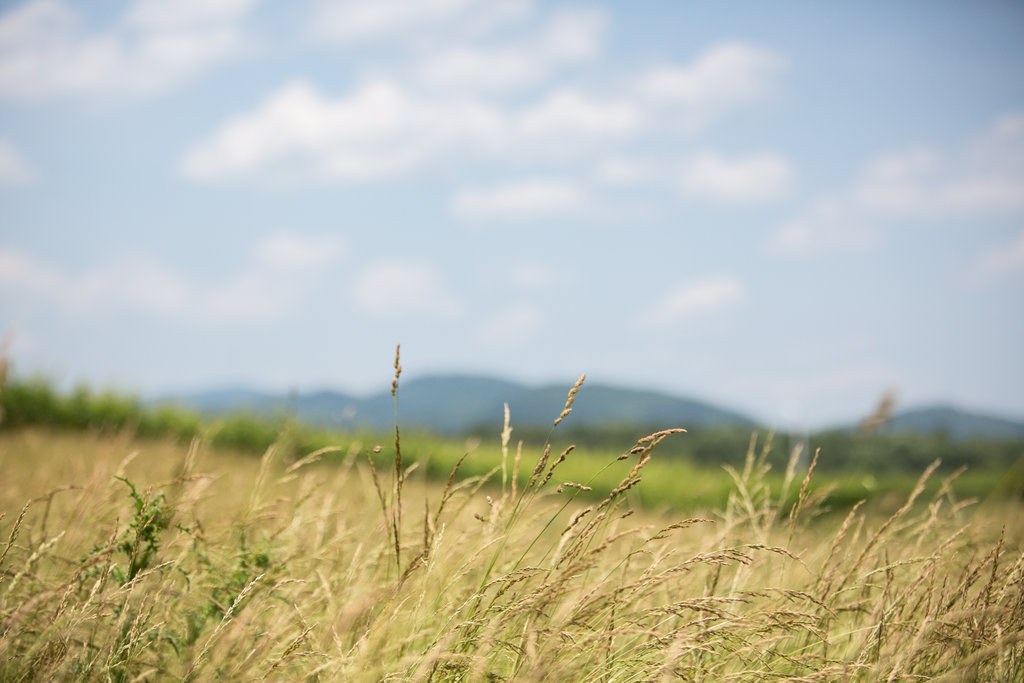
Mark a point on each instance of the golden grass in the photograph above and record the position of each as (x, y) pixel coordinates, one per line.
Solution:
(306, 570)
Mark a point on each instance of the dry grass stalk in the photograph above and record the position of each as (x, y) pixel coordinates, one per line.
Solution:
(398, 369)
(399, 474)
(506, 435)
(14, 532)
(802, 496)
(541, 463)
(569, 401)
(556, 463)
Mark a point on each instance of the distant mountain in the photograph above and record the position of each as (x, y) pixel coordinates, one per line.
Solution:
(226, 400)
(457, 403)
(957, 424)
(600, 404)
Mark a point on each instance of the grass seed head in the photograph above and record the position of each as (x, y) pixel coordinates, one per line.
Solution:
(398, 369)
(569, 401)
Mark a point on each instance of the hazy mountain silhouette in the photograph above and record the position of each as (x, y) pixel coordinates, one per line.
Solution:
(457, 403)
(956, 423)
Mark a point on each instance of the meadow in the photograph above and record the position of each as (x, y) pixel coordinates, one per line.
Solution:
(131, 556)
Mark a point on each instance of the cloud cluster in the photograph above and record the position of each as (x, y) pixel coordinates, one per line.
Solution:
(523, 92)
(727, 76)
(569, 37)
(48, 52)
(405, 288)
(403, 21)
(987, 175)
(14, 170)
(1005, 260)
(470, 84)
(506, 84)
(510, 327)
(278, 274)
(984, 178)
(382, 130)
(829, 225)
(752, 179)
(695, 297)
(516, 201)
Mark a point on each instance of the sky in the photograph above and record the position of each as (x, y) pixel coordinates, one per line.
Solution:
(786, 209)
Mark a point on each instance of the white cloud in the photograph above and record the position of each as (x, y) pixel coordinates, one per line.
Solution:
(382, 130)
(524, 200)
(298, 135)
(386, 127)
(357, 21)
(723, 77)
(531, 276)
(14, 170)
(510, 327)
(570, 36)
(828, 226)
(997, 263)
(290, 252)
(19, 271)
(756, 178)
(984, 178)
(164, 14)
(139, 284)
(692, 298)
(251, 296)
(466, 68)
(401, 288)
(134, 284)
(624, 171)
(567, 114)
(46, 52)
(279, 272)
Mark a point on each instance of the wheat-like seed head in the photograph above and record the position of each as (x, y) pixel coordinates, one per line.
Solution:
(557, 462)
(540, 465)
(569, 401)
(398, 369)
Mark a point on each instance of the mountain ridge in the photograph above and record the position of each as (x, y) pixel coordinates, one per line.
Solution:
(957, 423)
(454, 403)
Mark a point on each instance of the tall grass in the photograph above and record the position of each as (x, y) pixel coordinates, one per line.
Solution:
(124, 560)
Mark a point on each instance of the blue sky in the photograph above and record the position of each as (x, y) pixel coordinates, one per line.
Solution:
(785, 209)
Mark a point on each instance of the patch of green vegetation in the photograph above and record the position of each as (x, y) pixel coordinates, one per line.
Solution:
(688, 473)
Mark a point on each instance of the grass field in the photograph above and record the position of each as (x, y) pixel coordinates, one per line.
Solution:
(688, 474)
(124, 559)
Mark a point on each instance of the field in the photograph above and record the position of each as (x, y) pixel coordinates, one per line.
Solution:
(125, 558)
